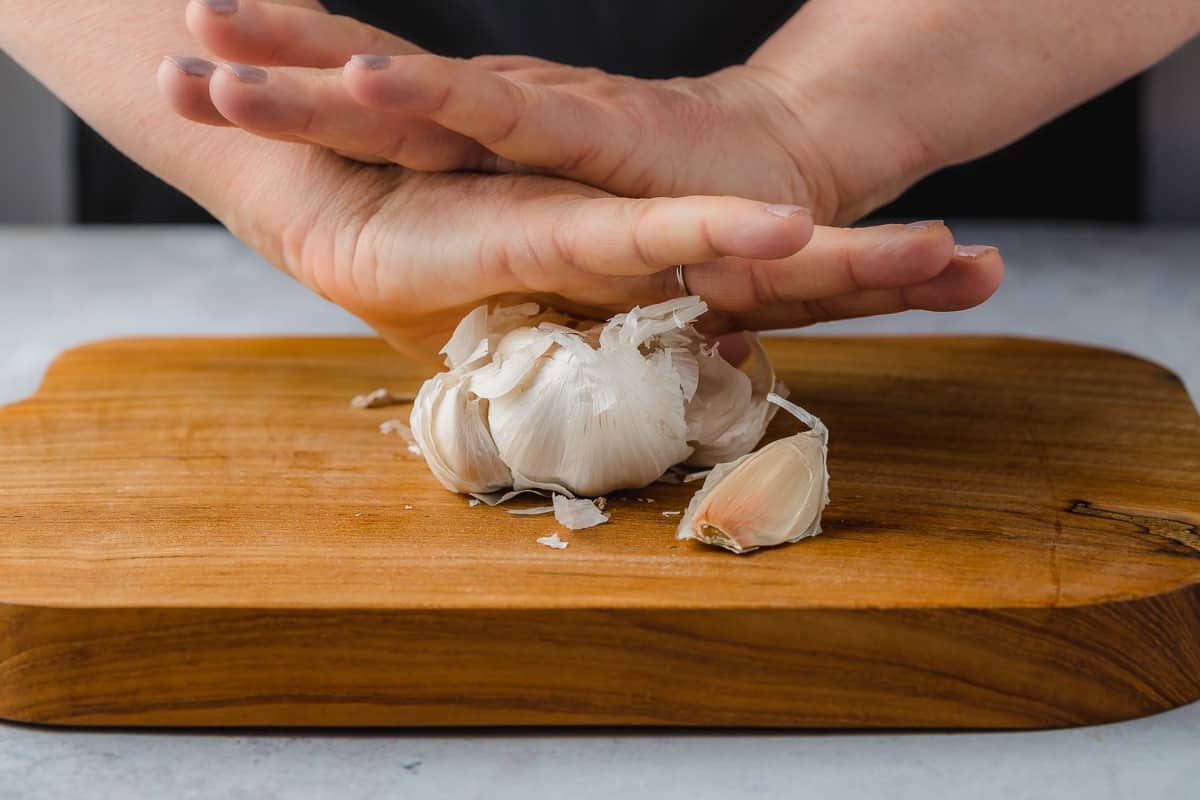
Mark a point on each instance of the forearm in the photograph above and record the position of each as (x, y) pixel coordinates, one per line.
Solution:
(100, 59)
(917, 86)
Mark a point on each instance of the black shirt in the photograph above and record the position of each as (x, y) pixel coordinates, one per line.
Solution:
(1084, 165)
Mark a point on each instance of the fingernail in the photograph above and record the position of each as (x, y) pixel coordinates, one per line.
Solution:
(248, 74)
(221, 6)
(974, 250)
(370, 61)
(924, 224)
(786, 210)
(195, 67)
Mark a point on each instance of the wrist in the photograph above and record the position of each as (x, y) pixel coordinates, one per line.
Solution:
(841, 129)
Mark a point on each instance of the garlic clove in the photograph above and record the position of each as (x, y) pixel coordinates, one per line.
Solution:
(516, 354)
(722, 399)
(466, 337)
(686, 365)
(729, 413)
(449, 425)
(591, 421)
(475, 336)
(772, 496)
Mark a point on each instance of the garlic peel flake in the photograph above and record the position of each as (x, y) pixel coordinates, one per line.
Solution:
(553, 542)
(523, 512)
(577, 514)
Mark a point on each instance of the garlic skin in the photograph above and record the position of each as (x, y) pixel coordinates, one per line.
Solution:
(577, 513)
(769, 497)
(728, 414)
(532, 402)
(553, 542)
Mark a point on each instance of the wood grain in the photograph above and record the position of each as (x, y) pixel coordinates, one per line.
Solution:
(203, 532)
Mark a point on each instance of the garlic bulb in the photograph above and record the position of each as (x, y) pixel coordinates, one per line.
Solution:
(535, 401)
(530, 402)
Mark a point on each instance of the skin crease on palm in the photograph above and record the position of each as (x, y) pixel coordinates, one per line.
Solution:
(563, 242)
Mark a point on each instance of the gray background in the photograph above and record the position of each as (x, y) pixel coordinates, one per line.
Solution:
(35, 181)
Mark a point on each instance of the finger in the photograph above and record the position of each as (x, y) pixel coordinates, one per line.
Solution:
(973, 276)
(511, 63)
(311, 105)
(966, 282)
(183, 81)
(838, 261)
(527, 123)
(621, 236)
(257, 32)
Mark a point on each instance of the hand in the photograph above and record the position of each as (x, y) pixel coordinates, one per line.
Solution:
(410, 253)
(727, 133)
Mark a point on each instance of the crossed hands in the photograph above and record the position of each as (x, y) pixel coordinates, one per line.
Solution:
(431, 185)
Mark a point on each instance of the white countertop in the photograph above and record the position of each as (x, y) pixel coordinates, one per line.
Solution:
(1135, 289)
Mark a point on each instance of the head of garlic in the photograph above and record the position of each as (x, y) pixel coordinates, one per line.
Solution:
(532, 400)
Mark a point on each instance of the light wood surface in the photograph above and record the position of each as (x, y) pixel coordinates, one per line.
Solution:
(204, 532)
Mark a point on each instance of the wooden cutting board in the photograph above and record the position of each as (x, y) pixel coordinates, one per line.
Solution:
(204, 532)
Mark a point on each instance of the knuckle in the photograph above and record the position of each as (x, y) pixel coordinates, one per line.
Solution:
(639, 216)
(763, 289)
(509, 125)
(853, 263)
(543, 253)
(818, 311)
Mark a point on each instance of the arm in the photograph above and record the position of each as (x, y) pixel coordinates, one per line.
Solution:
(843, 108)
(96, 56)
(100, 58)
(410, 253)
(913, 87)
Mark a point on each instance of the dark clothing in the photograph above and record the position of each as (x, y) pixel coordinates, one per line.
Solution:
(1084, 165)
